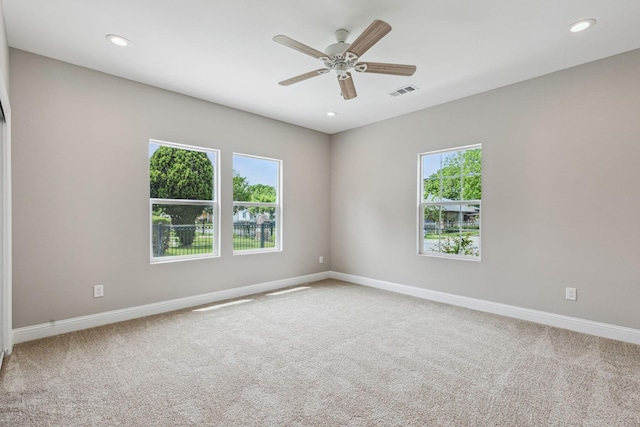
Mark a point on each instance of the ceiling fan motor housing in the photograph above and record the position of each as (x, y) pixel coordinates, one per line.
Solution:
(336, 49)
(340, 47)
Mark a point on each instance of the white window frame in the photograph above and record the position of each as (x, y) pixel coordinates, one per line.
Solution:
(422, 204)
(277, 205)
(214, 204)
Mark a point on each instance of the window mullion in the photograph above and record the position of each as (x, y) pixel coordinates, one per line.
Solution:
(452, 202)
(256, 204)
(181, 202)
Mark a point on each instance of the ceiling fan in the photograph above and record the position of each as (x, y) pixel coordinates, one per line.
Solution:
(342, 57)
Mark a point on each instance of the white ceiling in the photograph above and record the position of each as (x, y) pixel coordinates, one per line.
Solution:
(222, 51)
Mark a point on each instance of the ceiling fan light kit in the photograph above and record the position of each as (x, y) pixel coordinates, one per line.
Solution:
(342, 57)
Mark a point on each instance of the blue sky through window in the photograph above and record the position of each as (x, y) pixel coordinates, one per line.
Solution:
(432, 163)
(256, 170)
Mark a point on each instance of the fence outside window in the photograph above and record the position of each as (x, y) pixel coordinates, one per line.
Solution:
(247, 235)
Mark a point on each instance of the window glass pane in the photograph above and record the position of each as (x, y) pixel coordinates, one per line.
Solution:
(432, 217)
(451, 188)
(432, 189)
(181, 230)
(451, 218)
(460, 244)
(472, 164)
(470, 223)
(472, 188)
(432, 228)
(255, 179)
(178, 173)
(254, 228)
(431, 177)
(451, 165)
(470, 230)
(431, 165)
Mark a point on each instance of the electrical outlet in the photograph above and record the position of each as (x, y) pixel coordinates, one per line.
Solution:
(98, 291)
(321, 260)
(571, 294)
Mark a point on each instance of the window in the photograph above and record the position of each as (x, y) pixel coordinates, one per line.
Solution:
(450, 187)
(257, 204)
(183, 201)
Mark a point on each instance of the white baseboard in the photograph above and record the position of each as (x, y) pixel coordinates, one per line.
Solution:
(43, 330)
(605, 330)
(599, 329)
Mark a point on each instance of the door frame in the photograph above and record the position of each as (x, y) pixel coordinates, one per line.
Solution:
(6, 334)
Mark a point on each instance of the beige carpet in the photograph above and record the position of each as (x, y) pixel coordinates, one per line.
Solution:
(336, 354)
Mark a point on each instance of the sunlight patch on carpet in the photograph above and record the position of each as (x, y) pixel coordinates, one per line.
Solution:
(226, 304)
(286, 291)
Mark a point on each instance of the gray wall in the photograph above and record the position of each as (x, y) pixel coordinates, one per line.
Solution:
(560, 200)
(560, 193)
(81, 192)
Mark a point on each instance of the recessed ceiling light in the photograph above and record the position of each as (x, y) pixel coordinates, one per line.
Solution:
(118, 40)
(332, 114)
(582, 25)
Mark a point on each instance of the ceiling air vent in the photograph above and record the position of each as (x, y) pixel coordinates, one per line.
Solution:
(403, 90)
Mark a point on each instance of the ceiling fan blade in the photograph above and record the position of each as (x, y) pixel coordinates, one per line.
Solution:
(382, 68)
(293, 44)
(347, 87)
(374, 32)
(304, 76)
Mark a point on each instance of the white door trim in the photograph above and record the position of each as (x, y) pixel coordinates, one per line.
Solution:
(6, 335)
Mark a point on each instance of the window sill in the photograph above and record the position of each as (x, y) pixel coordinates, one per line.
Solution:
(450, 256)
(166, 260)
(257, 251)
